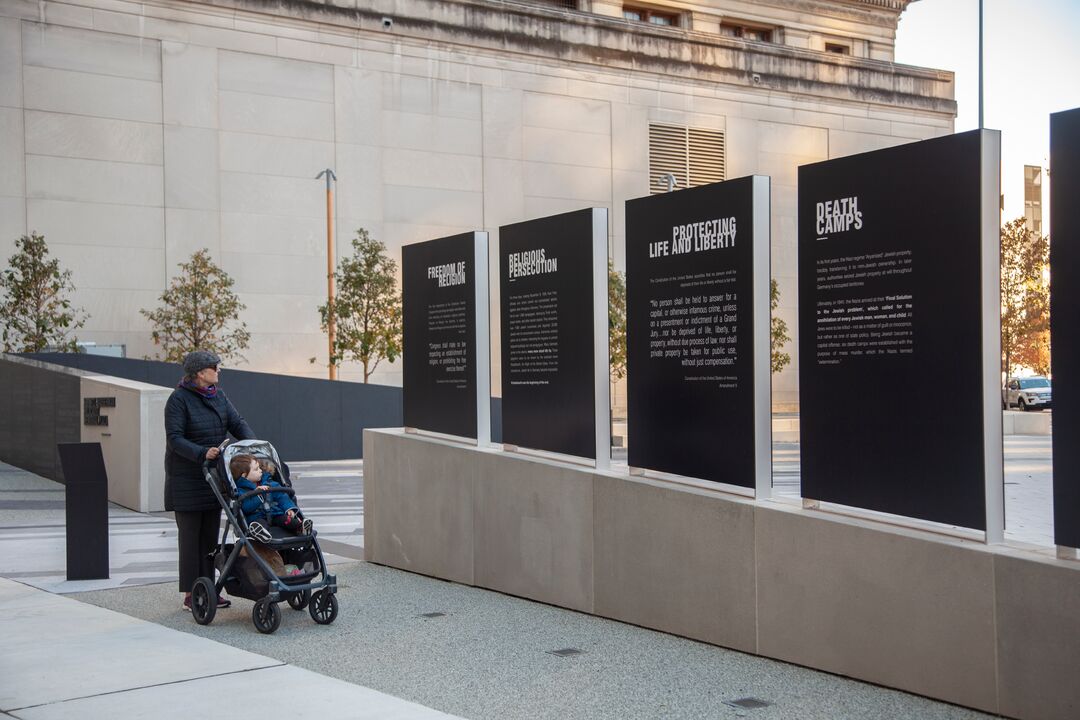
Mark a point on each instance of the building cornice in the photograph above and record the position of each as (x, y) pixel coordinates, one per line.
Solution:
(897, 5)
(583, 38)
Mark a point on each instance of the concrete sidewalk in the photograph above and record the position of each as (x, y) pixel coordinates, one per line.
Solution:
(67, 659)
(488, 656)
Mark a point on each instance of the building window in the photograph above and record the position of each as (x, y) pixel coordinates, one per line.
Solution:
(1033, 197)
(757, 33)
(837, 48)
(650, 15)
(695, 156)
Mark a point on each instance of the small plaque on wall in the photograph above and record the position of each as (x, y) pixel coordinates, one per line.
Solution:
(92, 410)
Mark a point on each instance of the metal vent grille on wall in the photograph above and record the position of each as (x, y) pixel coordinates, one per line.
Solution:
(695, 156)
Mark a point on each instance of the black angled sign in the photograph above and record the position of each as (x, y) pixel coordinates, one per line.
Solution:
(895, 329)
(1065, 322)
(440, 283)
(691, 319)
(547, 271)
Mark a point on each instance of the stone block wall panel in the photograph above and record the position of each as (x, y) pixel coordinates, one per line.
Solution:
(203, 125)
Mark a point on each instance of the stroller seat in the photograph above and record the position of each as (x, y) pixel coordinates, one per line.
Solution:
(282, 538)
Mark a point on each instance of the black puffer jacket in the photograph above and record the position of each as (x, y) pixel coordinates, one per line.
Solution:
(193, 424)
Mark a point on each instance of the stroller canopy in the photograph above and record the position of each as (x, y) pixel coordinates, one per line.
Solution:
(261, 449)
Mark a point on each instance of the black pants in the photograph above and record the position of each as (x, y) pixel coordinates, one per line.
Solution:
(197, 538)
(293, 526)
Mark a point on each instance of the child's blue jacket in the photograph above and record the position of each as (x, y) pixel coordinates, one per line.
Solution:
(280, 502)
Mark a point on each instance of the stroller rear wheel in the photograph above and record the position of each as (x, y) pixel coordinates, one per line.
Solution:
(323, 607)
(203, 601)
(299, 601)
(266, 616)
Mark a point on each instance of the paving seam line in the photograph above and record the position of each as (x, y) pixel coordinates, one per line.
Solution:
(146, 687)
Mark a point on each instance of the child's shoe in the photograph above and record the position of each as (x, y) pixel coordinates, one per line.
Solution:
(258, 532)
(306, 527)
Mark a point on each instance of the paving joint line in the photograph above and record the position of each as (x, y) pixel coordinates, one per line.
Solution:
(147, 687)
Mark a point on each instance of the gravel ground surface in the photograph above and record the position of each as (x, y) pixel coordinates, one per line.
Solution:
(488, 657)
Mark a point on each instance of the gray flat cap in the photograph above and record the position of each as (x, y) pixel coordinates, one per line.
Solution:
(199, 360)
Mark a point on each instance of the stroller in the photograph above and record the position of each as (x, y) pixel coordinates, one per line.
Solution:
(248, 574)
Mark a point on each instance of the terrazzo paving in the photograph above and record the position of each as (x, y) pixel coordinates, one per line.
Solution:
(489, 656)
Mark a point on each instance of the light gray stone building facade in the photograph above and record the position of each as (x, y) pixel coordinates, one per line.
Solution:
(134, 133)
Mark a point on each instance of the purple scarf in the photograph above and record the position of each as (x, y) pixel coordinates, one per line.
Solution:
(206, 392)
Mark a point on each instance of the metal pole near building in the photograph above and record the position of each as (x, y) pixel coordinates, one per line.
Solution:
(330, 328)
(981, 125)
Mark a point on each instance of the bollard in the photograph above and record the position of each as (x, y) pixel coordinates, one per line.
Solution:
(87, 510)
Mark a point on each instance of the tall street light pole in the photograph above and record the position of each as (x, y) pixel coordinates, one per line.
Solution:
(330, 325)
(981, 124)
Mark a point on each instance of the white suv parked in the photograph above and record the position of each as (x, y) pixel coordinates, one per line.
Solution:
(1030, 393)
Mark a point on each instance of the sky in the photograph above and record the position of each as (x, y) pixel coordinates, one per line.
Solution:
(1031, 69)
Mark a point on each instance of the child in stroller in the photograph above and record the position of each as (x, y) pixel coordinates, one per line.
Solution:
(273, 508)
(242, 568)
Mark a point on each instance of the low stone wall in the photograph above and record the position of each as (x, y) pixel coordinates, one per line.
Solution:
(39, 407)
(45, 404)
(1027, 423)
(992, 628)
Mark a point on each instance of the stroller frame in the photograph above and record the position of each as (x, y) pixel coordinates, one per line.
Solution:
(279, 588)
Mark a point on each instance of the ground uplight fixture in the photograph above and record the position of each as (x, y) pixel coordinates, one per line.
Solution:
(748, 703)
(566, 652)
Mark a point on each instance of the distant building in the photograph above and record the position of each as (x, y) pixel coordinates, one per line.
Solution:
(134, 133)
(1033, 211)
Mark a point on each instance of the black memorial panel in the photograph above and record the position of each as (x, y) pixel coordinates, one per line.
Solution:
(546, 313)
(438, 280)
(1065, 322)
(890, 339)
(690, 284)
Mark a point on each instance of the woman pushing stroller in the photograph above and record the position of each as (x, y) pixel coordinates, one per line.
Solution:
(268, 509)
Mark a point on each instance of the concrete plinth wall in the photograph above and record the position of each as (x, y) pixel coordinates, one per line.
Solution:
(133, 443)
(993, 628)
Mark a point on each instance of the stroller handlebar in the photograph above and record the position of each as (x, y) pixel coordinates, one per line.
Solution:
(257, 491)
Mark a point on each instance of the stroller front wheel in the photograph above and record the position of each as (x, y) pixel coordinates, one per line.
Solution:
(299, 601)
(323, 607)
(266, 615)
(203, 601)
